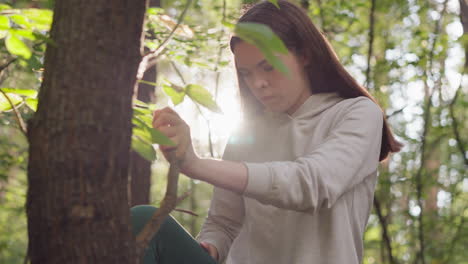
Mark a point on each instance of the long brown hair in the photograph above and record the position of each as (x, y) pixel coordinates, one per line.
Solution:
(302, 37)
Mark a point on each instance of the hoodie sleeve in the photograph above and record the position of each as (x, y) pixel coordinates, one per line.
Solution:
(348, 155)
(225, 216)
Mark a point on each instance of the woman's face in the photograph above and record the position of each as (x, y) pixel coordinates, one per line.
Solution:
(278, 92)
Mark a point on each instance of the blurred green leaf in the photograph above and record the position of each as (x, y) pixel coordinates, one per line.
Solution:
(41, 18)
(23, 33)
(142, 111)
(143, 148)
(4, 7)
(143, 133)
(25, 92)
(4, 22)
(140, 103)
(266, 40)
(175, 92)
(5, 104)
(31, 103)
(144, 123)
(159, 138)
(275, 2)
(3, 33)
(17, 47)
(20, 20)
(202, 96)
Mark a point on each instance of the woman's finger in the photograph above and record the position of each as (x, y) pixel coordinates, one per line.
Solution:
(168, 131)
(166, 118)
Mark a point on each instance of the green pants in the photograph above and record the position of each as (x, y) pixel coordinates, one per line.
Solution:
(171, 244)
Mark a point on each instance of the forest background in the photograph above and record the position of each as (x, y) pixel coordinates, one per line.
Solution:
(411, 54)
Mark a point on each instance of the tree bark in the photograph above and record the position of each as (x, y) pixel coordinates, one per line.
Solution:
(79, 138)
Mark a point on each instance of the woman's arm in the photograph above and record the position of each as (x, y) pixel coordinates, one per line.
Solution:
(229, 175)
(346, 157)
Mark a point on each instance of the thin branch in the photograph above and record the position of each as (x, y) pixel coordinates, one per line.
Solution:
(455, 238)
(220, 53)
(168, 204)
(4, 66)
(186, 211)
(460, 143)
(383, 223)
(19, 119)
(396, 112)
(371, 41)
(210, 143)
(154, 55)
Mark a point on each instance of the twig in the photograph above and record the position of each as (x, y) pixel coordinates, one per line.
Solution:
(383, 223)
(457, 235)
(4, 66)
(168, 204)
(460, 144)
(371, 42)
(19, 119)
(154, 55)
(396, 112)
(181, 77)
(186, 211)
(220, 52)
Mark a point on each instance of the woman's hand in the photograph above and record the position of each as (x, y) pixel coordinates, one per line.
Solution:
(212, 251)
(168, 122)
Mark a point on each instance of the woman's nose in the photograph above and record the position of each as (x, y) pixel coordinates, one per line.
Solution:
(260, 83)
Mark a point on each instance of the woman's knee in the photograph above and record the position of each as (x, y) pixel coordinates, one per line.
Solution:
(140, 215)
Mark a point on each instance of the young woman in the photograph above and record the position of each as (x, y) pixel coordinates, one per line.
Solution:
(296, 185)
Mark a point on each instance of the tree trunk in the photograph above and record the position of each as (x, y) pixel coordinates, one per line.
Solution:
(79, 139)
(140, 172)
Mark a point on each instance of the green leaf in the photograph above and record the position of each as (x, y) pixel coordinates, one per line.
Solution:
(144, 123)
(25, 92)
(140, 103)
(154, 11)
(5, 104)
(4, 7)
(266, 40)
(40, 18)
(148, 82)
(4, 22)
(143, 133)
(158, 137)
(275, 2)
(175, 92)
(31, 103)
(20, 20)
(143, 148)
(23, 33)
(17, 47)
(201, 96)
(229, 25)
(142, 111)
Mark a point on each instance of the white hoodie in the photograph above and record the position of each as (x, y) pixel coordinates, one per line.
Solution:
(311, 181)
